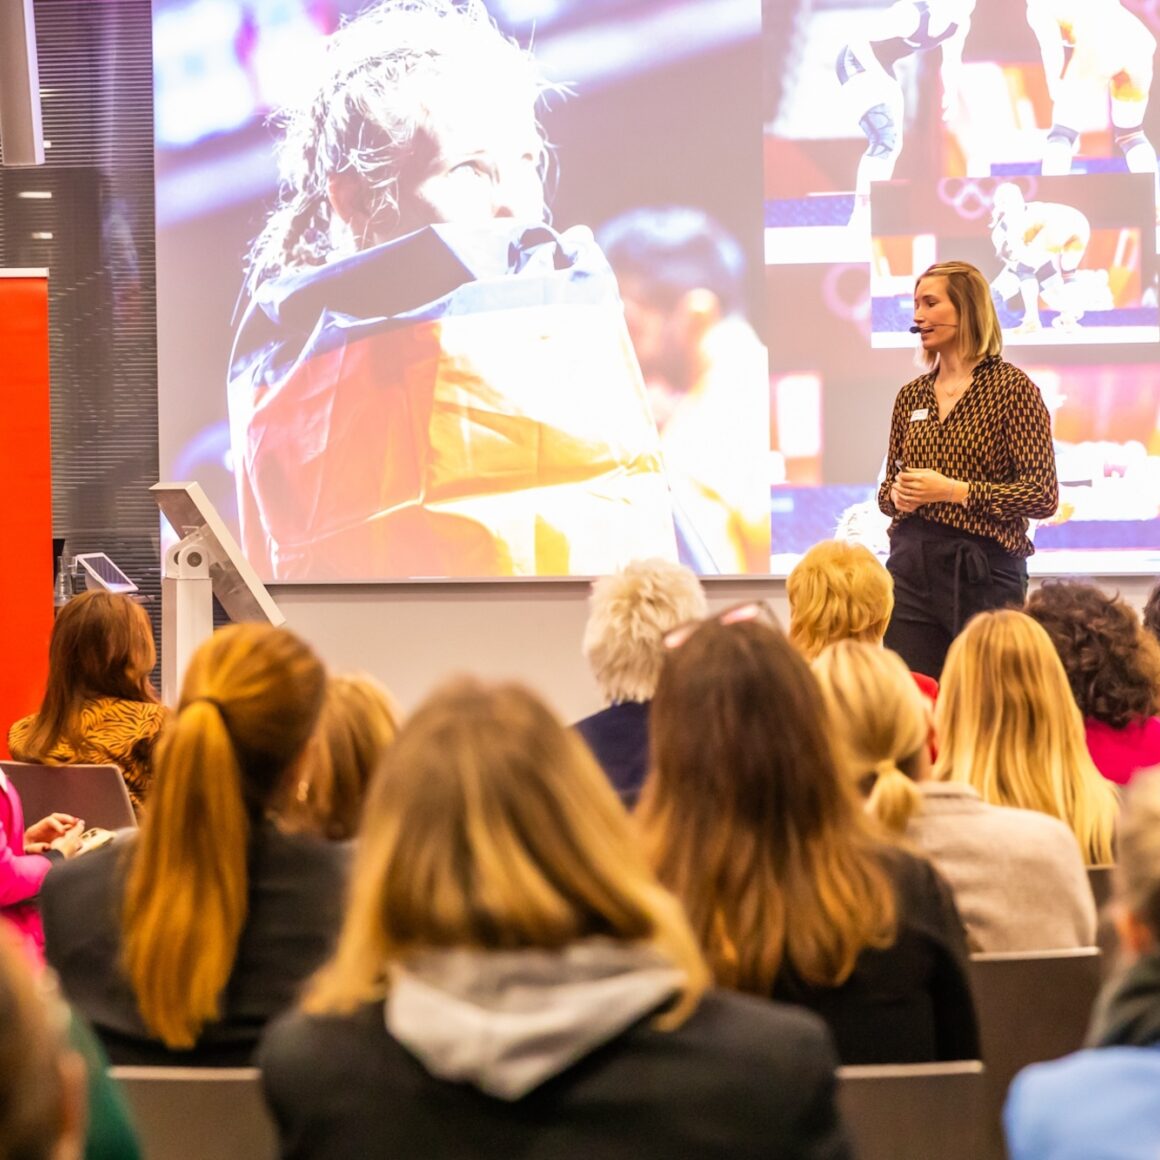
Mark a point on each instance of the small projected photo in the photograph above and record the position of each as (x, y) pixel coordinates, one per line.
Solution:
(1071, 260)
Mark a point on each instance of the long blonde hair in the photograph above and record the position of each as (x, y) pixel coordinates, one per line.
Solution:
(980, 334)
(881, 725)
(746, 819)
(838, 591)
(1008, 725)
(359, 719)
(248, 706)
(489, 825)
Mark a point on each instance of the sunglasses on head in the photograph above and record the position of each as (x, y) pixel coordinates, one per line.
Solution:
(757, 610)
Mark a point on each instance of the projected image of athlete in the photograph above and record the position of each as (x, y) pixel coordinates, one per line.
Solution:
(428, 380)
(682, 278)
(866, 70)
(1093, 51)
(1041, 245)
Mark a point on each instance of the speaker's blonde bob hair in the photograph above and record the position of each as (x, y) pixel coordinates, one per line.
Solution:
(838, 591)
(980, 334)
(490, 825)
(1008, 725)
(881, 725)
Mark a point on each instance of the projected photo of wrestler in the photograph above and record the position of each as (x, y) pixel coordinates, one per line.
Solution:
(867, 71)
(1094, 51)
(428, 380)
(1041, 245)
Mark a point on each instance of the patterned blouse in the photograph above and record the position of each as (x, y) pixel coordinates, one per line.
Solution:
(115, 732)
(996, 438)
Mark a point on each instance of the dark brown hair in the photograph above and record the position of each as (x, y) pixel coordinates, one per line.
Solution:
(101, 646)
(746, 819)
(1112, 665)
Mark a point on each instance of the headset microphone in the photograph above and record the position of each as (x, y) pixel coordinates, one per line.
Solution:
(916, 330)
(931, 325)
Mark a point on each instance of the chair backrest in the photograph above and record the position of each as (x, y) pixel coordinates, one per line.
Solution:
(1031, 1007)
(1100, 878)
(192, 1113)
(96, 793)
(915, 1111)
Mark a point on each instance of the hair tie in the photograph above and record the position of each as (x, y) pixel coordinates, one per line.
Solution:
(885, 766)
(209, 701)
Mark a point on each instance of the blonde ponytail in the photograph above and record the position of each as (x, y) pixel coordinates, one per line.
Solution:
(895, 798)
(250, 700)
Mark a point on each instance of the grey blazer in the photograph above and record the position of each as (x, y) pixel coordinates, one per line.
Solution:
(1017, 875)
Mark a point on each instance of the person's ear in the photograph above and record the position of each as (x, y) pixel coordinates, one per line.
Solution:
(1135, 936)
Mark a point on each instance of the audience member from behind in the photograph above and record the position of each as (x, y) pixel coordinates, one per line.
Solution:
(1017, 875)
(99, 703)
(747, 819)
(181, 946)
(1008, 725)
(629, 614)
(842, 591)
(512, 981)
(1102, 1102)
(42, 1081)
(359, 719)
(26, 856)
(1113, 667)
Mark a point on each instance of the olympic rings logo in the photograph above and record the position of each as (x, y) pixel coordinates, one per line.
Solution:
(972, 200)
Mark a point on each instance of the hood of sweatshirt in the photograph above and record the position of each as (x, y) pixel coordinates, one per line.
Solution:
(508, 1021)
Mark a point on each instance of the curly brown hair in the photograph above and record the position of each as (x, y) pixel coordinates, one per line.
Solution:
(1113, 665)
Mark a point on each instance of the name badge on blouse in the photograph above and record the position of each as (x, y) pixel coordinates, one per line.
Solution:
(921, 413)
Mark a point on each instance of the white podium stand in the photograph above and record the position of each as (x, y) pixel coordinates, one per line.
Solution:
(206, 562)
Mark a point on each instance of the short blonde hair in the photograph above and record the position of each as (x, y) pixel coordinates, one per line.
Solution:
(490, 825)
(629, 614)
(980, 334)
(838, 591)
(880, 723)
(1008, 725)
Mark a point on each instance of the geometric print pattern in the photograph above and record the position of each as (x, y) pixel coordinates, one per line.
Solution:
(996, 439)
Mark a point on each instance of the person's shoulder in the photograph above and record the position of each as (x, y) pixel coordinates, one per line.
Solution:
(1073, 1107)
(18, 734)
(92, 872)
(921, 891)
(298, 1050)
(915, 386)
(751, 1031)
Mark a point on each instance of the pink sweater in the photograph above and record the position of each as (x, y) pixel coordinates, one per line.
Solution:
(20, 874)
(1119, 753)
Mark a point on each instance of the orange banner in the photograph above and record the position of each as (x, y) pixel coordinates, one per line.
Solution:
(25, 494)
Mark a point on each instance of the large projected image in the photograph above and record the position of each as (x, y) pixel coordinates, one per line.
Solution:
(1017, 135)
(460, 289)
(480, 332)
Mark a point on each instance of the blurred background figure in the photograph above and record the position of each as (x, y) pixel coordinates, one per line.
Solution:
(180, 942)
(99, 702)
(629, 614)
(511, 980)
(1017, 875)
(1008, 725)
(42, 1080)
(1102, 1101)
(1113, 668)
(359, 719)
(1152, 613)
(682, 279)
